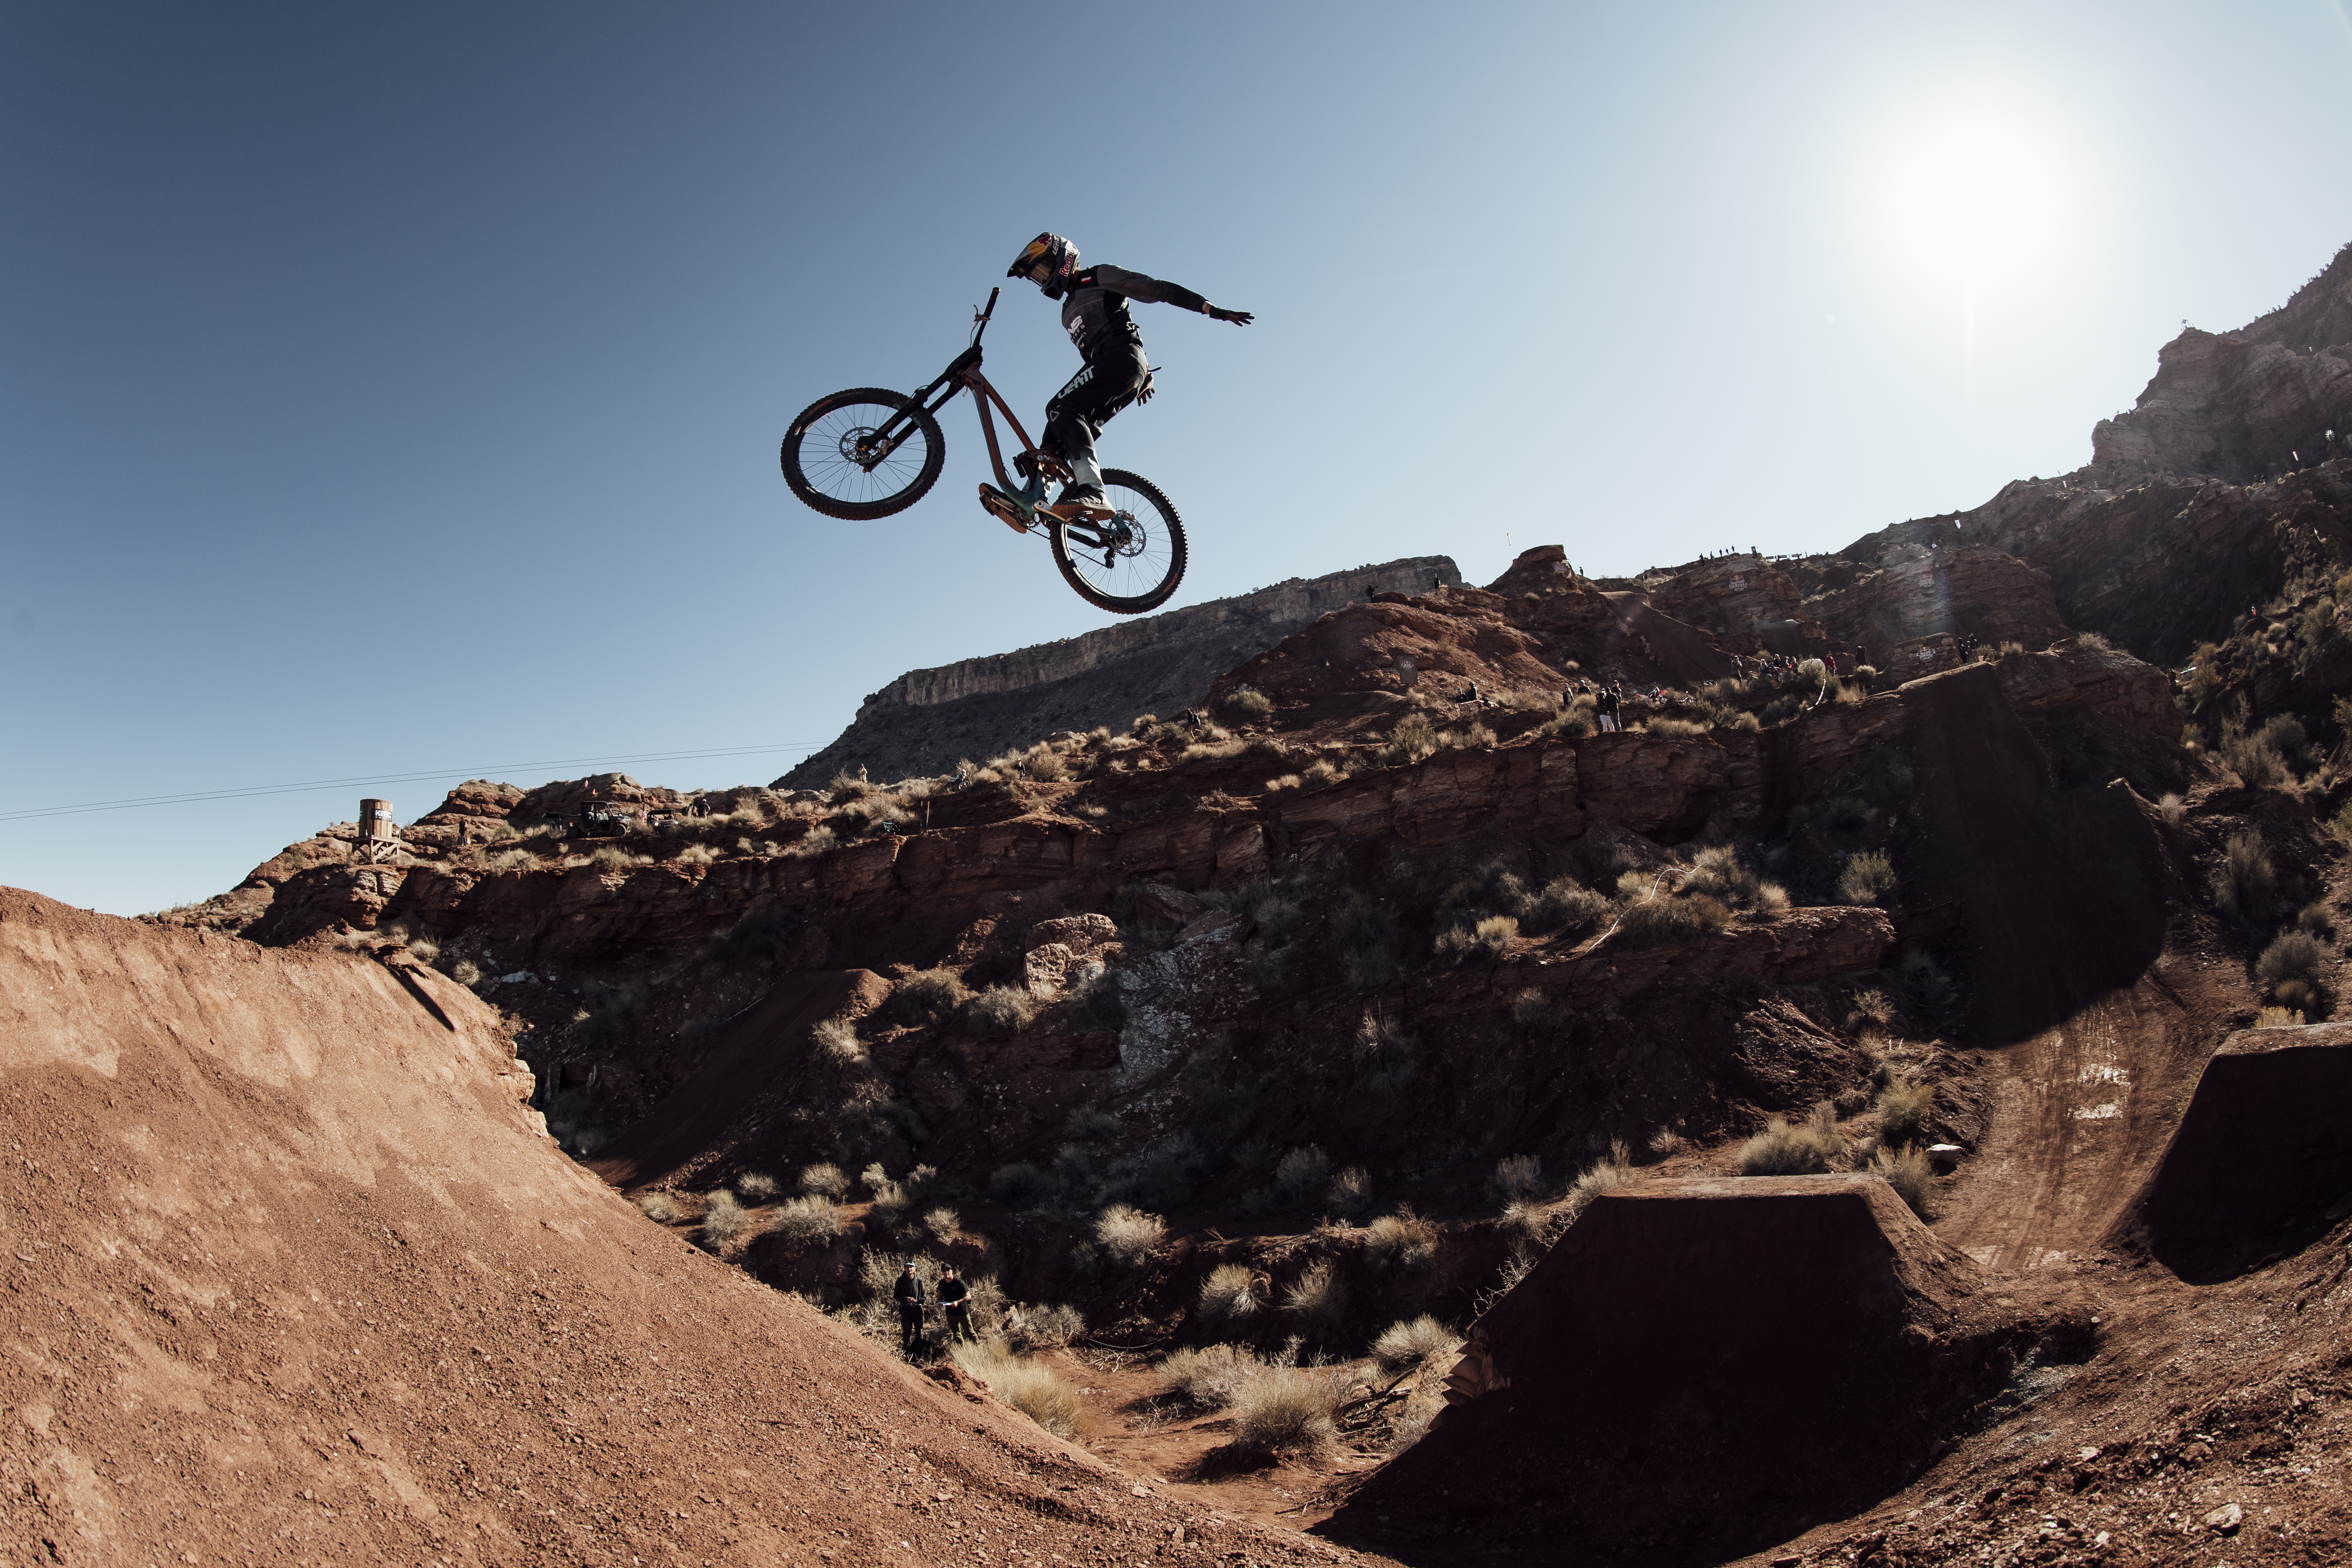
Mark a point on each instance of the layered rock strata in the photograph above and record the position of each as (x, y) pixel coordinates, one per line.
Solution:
(926, 719)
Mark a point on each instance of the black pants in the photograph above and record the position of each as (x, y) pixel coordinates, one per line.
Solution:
(958, 1319)
(1077, 413)
(910, 1325)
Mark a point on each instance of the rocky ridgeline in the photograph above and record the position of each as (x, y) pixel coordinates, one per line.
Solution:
(926, 719)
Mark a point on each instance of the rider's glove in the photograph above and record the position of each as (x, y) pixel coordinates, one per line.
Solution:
(1218, 313)
(1143, 394)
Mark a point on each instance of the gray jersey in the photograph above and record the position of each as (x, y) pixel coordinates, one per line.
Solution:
(1094, 311)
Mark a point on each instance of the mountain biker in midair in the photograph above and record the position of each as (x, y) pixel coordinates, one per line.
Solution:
(1093, 313)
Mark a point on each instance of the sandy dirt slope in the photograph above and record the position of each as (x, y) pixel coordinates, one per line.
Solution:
(293, 1277)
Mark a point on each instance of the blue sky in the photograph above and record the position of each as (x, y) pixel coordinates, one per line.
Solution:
(392, 389)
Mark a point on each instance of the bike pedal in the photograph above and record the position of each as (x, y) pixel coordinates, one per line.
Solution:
(1003, 508)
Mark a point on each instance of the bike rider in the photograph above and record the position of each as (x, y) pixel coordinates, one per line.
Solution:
(1093, 313)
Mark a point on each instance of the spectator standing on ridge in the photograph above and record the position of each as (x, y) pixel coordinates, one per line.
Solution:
(1093, 313)
(1608, 708)
(910, 1294)
(955, 1306)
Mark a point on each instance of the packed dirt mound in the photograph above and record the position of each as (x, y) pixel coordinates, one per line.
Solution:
(1702, 1363)
(2061, 890)
(2261, 1165)
(294, 1277)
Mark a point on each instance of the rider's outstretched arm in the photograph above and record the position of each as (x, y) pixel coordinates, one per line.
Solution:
(1156, 291)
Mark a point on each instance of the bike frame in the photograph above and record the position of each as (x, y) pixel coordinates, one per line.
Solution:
(963, 372)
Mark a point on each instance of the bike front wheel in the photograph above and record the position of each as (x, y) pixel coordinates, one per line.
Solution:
(1131, 562)
(863, 454)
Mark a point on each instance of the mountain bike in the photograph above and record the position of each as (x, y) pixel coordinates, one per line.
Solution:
(869, 453)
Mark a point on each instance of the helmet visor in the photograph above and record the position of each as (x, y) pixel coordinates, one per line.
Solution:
(1041, 271)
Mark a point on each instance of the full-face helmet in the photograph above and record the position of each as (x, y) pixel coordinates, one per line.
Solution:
(1047, 261)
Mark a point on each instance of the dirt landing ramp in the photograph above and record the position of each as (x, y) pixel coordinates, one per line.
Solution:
(290, 1275)
(1699, 1367)
(2261, 1165)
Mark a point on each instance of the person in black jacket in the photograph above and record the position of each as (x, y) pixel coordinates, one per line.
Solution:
(909, 1293)
(1093, 313)
(955, 1306)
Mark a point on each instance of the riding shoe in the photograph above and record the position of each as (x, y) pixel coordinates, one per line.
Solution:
(1079, 509)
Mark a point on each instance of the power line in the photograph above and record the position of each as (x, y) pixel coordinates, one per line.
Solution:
(193, 796)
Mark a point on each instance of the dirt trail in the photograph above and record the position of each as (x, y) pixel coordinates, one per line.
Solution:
(2080, 1112)
(292, 1276)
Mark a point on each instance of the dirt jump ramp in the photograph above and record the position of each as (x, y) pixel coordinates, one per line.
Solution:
(1702, 1366)
(2261, 1165)
(292, 1276)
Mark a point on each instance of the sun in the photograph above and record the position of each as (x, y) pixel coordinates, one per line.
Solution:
(1974, 199)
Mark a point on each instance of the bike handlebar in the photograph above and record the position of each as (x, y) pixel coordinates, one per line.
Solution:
(980, 318)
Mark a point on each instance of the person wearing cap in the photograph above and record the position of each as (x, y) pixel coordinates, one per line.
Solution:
(910, 1294)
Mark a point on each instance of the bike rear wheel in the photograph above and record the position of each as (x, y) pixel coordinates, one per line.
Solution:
(1132, 562)
(829, 460)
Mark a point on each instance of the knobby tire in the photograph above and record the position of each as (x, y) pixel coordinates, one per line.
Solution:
(1164, 541)
(839, 488)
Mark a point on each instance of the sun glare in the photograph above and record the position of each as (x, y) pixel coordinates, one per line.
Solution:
(1974, 200)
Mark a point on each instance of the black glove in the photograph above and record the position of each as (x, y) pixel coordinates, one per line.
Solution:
(1218, 313)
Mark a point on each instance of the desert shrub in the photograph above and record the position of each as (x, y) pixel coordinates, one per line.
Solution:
(1717, 873)
(1781, 1149)
(1415, 1341)
(1128, 1234)
(1908, 1171)
(2292, 955)
(1413, 738)
(1285, 1410)
(1319, 1294)
(1867, 878)
(1045, 1327)
(1401, 1242)
(837, 1041)
(1245, 703)
(1020, 1187)
(927, 996)
(825, 1180)
(1000, 1011)
(1566, 906)
(1516, 1178)
(1228, 1293)
(2254, 759)
(1320, 774)
(1610, 1171)
(1211, 1376)
(1302, 1173)
(848, 786)
(2171, 808)
(1874, 1005)
(1031, 1387)
(658, 1207)
(724, 1220)
(466, 973)
(1904, 1107)
(1486, 938)
(2319, 919)
(817, 840)
(1474, 738)
(812, 1217)
(426, 949)
(2278, 1019)
(2243, 880)
(1679, 728)
(1350, 1194)
(757, 1186)
(943, 1223)
(1658, 921)
(1287, 781)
